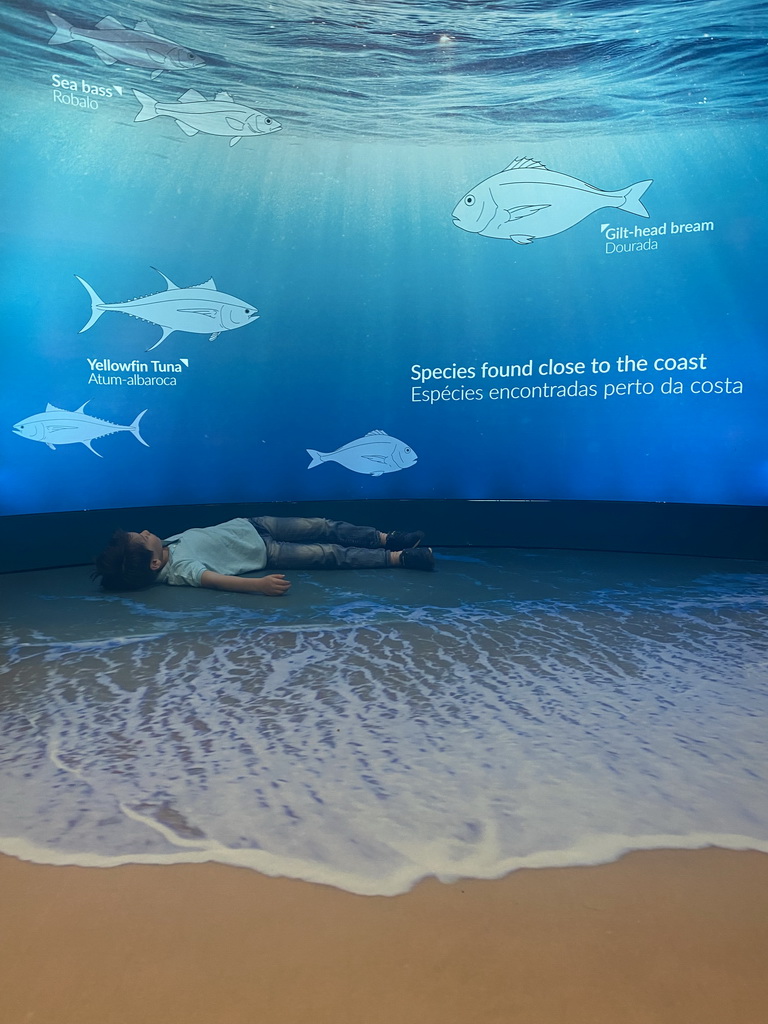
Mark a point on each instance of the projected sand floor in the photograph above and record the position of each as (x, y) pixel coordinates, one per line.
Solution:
(515, 709)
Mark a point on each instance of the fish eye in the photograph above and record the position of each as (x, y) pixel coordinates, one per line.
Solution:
(267, 120)
(469, 200)
(408, 451)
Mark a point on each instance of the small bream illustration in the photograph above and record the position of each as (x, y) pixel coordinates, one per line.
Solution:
(58, 426)
(138, 47)
(527, 201)
(374, 454)
(193, 113)
(196, 310)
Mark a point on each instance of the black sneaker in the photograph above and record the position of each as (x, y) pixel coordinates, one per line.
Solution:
(417, 558)
(398, 541)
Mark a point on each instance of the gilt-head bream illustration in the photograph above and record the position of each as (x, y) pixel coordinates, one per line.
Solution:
(527, 201)
(374, 454)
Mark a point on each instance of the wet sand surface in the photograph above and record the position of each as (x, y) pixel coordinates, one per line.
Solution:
(657, 937)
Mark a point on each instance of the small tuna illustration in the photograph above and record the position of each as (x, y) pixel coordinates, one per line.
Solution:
(196, 310)
(58, 426)
(374, 454)
(527, 201)
(193, 113)
(138, 47)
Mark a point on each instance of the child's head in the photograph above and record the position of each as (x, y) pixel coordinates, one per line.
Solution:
(128, 562)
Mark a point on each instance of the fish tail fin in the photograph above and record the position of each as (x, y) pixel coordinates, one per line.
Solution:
(134, 429)
(63, 33)
(632, 198)
(317, 458)
(148, 106)
(95, 303)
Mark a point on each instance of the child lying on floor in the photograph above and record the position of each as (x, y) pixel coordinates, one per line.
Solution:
(217, 556)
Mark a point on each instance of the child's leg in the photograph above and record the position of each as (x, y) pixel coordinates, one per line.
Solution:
(299, 530)
(286, 555)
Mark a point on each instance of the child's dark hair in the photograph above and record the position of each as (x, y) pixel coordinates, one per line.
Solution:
(124, 564)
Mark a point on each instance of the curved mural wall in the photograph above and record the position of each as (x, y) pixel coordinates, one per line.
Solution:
(338, 250)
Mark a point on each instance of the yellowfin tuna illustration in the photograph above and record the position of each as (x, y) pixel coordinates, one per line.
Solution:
(527, 201)
(197, 310)
(374, 454)
(58, 426)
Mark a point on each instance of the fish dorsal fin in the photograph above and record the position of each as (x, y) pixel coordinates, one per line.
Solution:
(107, 23)
(191, 96)
(82, 407)
(525, 161)
(371, 432)
(224, 96)
(210, 283)
(53, 408)
(144, 26)
(167, 280)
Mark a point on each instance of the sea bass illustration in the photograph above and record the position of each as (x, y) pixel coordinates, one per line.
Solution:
(527, 201)
(139, 47)
(374, 454)
(197, 310)
(58, 426)
(193, 113)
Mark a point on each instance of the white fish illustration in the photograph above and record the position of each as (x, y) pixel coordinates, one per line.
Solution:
(374, 454)
(139, 47)
(526, 201)
(193, 113)
(197, 310)
(58, 426)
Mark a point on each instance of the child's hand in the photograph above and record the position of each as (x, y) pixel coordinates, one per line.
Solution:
(274, 585)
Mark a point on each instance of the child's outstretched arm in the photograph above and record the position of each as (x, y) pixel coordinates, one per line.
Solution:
(273, 586)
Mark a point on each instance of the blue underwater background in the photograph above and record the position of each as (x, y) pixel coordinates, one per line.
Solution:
(372, 302)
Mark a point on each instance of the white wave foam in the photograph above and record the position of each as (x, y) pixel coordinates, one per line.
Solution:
(591, 851)
(449, 742)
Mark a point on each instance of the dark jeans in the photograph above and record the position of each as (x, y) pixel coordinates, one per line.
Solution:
(297, 543)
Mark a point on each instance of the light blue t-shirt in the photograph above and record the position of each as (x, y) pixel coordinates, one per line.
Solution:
(230, 548)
